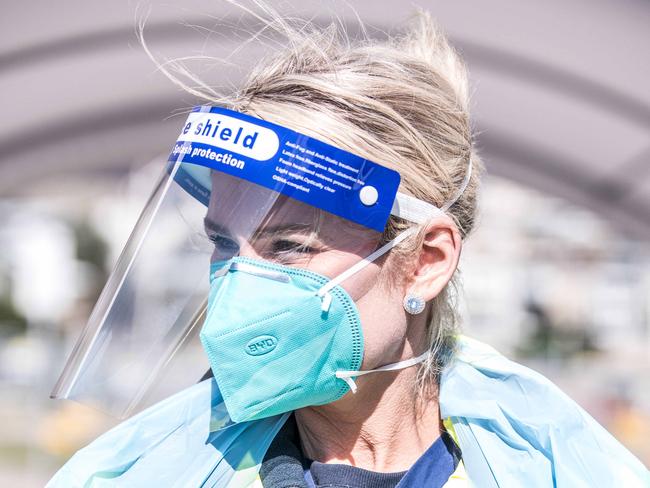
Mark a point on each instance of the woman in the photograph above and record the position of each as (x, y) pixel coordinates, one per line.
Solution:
(314, 285)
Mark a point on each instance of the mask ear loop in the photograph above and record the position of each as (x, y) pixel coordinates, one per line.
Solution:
(323, 292)
(348, 376)
(408, 208)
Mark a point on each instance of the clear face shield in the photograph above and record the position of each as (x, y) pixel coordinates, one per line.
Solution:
(240, 262)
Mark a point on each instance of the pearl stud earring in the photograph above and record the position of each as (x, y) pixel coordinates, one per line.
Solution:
(413, 304)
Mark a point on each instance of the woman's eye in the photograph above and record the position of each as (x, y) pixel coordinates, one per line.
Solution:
(286, 246)
(224, 244)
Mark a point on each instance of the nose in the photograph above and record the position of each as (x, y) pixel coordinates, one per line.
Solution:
(248, 251)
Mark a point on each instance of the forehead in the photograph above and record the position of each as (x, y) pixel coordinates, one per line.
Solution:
(244, 208)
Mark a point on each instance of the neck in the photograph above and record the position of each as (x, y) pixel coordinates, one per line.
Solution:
(384, 427)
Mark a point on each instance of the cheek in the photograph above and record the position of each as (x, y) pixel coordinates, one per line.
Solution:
(383, 320)
(332, 263)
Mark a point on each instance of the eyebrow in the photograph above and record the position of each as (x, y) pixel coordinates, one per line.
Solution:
(211, 225)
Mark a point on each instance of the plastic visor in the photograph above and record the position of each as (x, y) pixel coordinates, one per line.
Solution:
(234, 185)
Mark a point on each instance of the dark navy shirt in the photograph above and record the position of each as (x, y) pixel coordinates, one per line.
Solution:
(285, 466)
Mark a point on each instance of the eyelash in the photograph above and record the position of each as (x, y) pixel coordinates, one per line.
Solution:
(219, 240)
(291, 247)
(279, 247)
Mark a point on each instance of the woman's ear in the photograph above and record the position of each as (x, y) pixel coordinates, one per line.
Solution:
(437, 260)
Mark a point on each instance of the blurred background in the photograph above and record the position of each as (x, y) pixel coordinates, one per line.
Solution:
(557, 275)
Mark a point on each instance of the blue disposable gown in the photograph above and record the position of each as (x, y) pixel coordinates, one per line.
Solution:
(514, 427)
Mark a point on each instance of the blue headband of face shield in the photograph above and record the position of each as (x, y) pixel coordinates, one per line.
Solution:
(300, 342)
(250, 175)
(293, 164)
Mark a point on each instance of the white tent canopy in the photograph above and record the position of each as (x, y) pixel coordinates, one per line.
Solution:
(561, 97)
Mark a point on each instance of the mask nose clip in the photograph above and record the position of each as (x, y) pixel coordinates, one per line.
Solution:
(221, 271)
(252, 269)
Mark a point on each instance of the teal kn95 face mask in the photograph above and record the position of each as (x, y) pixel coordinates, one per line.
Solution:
(273, 343)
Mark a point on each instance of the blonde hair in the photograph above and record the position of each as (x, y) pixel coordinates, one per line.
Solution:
(402, 102)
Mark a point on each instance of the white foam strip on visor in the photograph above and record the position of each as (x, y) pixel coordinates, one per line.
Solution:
(417, 211)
